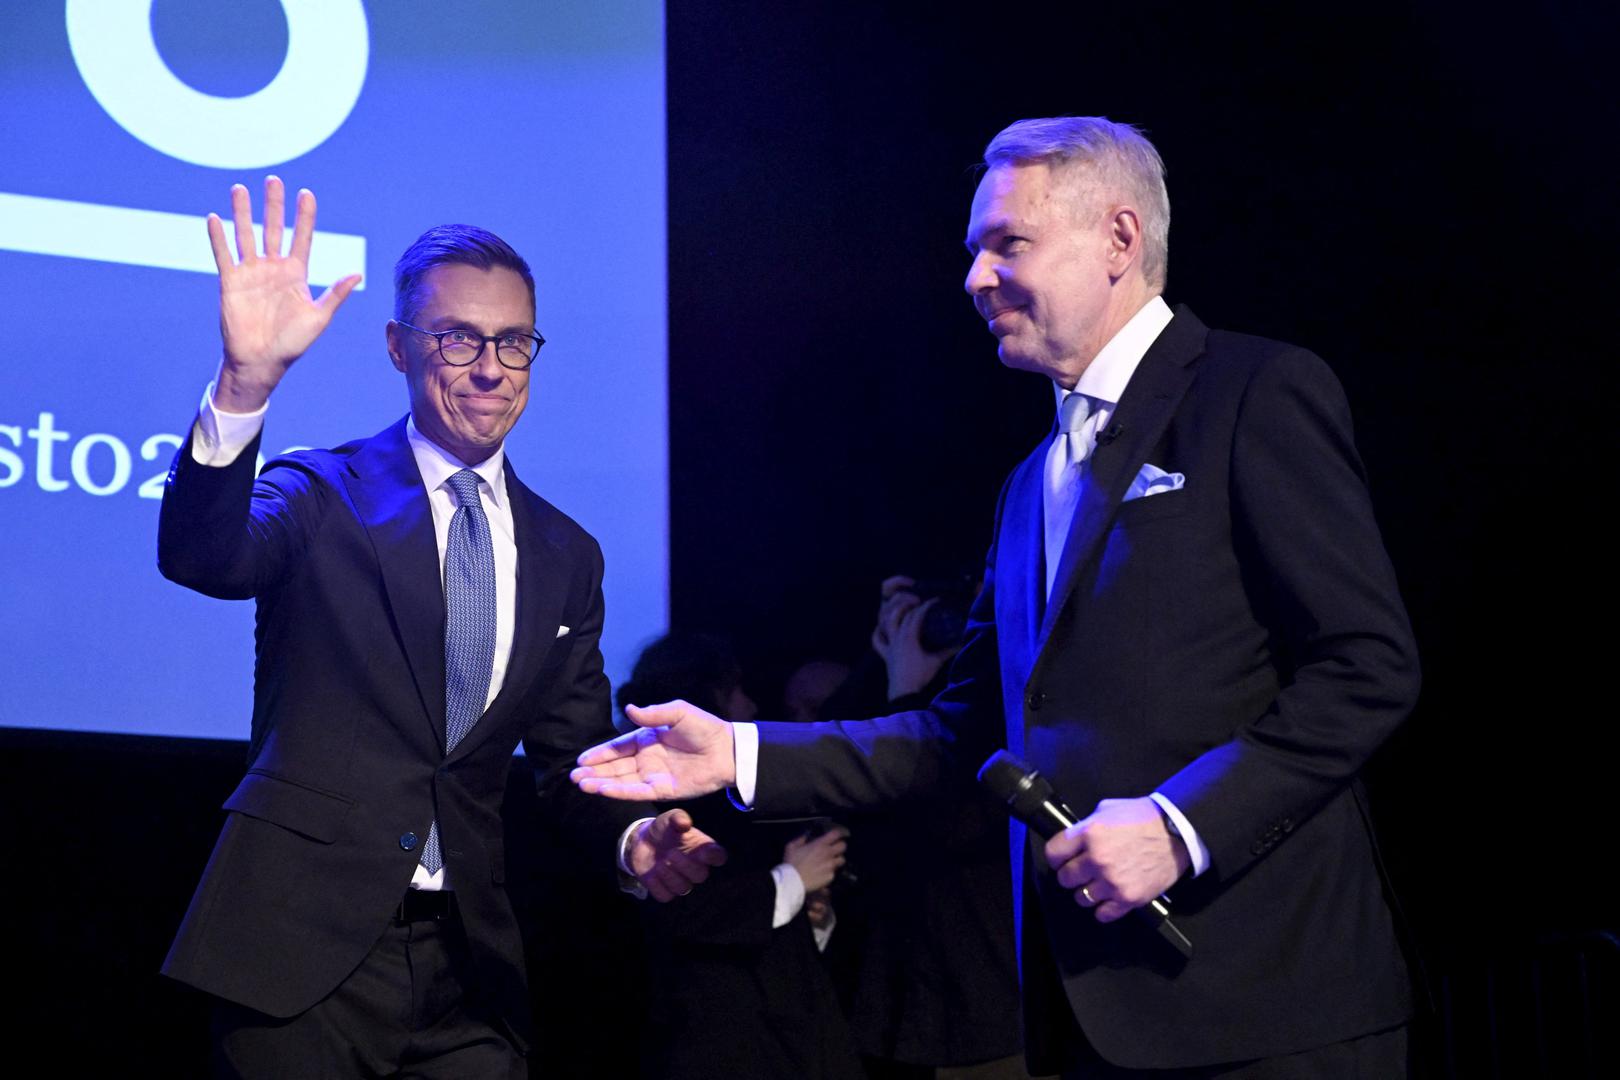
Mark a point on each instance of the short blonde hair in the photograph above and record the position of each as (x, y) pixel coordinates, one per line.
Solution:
(1115, 158)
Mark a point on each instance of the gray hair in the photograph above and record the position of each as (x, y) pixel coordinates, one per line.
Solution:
(1111, 158)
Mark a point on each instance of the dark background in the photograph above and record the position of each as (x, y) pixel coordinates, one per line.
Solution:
(1421, 193)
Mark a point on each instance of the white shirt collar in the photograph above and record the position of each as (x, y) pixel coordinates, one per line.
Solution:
(1105, 377)
(437, 465)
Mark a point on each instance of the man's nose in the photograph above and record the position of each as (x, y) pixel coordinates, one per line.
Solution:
(980, 275)
(487, 367)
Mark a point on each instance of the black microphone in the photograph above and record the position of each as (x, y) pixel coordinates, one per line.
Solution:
(1030, 799)
(1112, 432)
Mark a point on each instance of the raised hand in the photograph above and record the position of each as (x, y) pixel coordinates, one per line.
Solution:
(267, 316)
(679, 752)
(817, 860)
(670, 854)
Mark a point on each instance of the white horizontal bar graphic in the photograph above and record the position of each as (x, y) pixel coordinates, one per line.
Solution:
(121, 234)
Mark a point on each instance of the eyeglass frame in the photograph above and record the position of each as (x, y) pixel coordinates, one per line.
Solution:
(483, 340)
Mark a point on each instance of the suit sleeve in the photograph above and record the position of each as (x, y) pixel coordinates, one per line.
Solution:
(837, 766)
(1304, 529)
(230, 536)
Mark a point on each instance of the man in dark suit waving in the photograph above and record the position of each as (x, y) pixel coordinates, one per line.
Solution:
(1189, 625)
(420, 611)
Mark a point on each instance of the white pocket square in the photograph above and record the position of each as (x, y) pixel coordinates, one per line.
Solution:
(561, 630)
(1152, 480)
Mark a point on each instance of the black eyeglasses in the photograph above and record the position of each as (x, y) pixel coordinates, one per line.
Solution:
(460, 347)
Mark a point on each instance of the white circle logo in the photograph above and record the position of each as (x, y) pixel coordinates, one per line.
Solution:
(328, 46)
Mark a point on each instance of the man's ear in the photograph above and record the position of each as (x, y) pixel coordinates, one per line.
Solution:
(1124, 240)
(396, 344)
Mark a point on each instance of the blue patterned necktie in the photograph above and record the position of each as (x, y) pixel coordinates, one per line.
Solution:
(469, 625)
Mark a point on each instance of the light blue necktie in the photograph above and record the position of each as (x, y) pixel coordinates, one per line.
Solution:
(1061, 490)
(469, 625)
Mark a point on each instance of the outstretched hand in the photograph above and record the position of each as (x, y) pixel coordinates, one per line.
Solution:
(267, 315)
(669, 854)
(678, 752)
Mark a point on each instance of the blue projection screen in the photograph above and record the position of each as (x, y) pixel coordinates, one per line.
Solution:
(126, 121)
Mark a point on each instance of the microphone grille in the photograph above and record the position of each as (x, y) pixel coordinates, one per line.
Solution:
(1014, 782)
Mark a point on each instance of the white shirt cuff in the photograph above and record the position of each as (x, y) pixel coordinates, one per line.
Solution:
(627, 877)
(1196, 851)
(218, 437)
(789, 894)
(745, 748)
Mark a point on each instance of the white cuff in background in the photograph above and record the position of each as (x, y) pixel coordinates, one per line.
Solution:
(789, 894)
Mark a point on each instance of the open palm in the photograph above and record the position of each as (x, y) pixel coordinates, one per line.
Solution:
(267, 315)
(677, 751)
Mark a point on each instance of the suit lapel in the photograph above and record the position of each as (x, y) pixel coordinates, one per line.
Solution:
(1144, 411)
(541, 589)
(1019, 578)
(387, 490)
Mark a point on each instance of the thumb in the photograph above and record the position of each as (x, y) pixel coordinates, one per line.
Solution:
(336, 293)
(678, 821)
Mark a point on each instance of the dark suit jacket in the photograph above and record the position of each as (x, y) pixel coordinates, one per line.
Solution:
(346, 764)
(731, 995)
(1240, 646)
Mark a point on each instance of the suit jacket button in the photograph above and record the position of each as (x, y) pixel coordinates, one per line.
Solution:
(407, 842)
(1035, 700)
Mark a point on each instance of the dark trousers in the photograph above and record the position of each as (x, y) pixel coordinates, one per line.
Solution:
(411, 1009)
